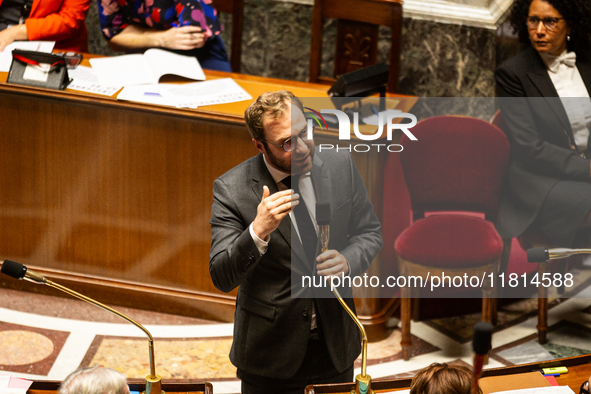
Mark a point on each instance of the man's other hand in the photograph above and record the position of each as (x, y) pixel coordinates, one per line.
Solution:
(332, 263)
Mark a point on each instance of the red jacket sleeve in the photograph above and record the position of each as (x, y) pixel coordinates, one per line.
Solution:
(56, 20)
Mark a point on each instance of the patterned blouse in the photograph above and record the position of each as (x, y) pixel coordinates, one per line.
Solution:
(116, 15)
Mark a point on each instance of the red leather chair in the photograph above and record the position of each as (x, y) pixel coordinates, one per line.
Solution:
(457, 164)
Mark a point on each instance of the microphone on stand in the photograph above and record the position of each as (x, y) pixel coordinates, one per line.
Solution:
(481, 344)
(323, 216)
(541, 255)
(19, 271)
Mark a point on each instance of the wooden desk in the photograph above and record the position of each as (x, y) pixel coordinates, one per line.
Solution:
(113, 198)
(579, 370)
(52, 387)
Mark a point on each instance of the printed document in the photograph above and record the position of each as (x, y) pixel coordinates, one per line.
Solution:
(85, 80)
(189, 95)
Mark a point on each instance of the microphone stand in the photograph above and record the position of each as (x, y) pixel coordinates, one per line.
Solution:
(561, 253)
(363, 380)
(481, 344)
(541, 254)
(153, 381)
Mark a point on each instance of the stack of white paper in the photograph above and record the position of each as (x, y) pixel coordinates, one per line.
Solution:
(190, 95)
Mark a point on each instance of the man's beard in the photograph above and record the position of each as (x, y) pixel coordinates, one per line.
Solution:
(285, 165)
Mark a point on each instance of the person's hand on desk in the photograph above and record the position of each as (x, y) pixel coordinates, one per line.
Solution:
(14, 33)
(183, 38)
(179, 38)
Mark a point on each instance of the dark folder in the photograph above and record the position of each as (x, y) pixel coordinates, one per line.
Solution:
(40, 69)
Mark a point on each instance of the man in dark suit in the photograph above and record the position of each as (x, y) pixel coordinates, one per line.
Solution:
(285, 336)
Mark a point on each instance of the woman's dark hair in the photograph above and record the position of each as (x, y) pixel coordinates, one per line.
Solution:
(576, 13)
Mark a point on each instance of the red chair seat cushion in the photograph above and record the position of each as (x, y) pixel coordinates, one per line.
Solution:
(450, 241)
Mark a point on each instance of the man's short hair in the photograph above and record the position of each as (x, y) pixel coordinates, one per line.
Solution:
(442, 379)
(269, 105)
(94, 380)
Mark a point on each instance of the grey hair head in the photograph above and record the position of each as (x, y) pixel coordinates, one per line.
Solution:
(94, 380)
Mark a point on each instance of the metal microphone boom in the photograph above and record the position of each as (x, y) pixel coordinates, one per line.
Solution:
(19, 271)
(363, 380)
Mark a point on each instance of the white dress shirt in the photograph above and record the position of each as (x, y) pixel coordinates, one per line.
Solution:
(570, 88)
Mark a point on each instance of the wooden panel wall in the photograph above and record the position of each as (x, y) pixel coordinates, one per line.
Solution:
(111, 192)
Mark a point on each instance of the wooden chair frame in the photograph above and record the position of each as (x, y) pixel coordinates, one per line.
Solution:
(236, 8)
(357, 36)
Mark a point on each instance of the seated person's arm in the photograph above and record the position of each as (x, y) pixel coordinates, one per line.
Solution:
(123, 34)
(137, 37)
(14, 33)
(55, 26)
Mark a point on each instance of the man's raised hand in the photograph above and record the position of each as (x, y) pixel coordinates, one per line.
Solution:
(272, 209)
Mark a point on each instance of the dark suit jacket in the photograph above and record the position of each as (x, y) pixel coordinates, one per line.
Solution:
(272, 325)
(540, 134)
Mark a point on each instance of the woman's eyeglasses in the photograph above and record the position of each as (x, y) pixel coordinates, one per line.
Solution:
(550, 23)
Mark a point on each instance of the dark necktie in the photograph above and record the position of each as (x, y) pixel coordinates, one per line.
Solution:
(304, 221)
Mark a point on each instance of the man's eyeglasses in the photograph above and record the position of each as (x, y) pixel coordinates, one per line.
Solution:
(289, 144)
(550, 23)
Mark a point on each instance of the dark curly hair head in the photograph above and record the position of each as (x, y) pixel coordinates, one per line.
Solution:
(576, 13)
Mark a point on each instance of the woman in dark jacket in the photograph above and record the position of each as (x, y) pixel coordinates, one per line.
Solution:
(544, 100)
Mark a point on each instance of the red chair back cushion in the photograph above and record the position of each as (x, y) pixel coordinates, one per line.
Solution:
(457, 163)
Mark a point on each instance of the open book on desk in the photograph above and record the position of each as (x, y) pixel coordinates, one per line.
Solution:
(146, 68)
